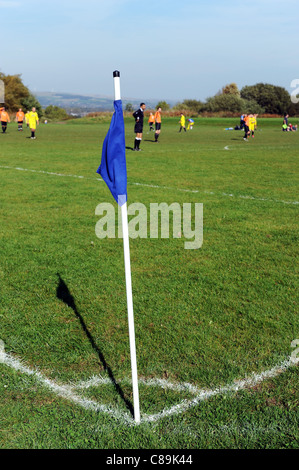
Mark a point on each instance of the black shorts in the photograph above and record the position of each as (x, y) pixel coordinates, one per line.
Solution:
(20, 122)
(138, 128)
(158, 126)
(4, 123)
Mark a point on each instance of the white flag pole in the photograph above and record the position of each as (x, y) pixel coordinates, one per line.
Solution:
(125, 228)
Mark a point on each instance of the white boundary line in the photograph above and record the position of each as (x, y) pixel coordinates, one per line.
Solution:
(194, 191)
(67, 391)
(238, 385)
(63, 391)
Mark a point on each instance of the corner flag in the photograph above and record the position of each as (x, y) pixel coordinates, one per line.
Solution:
(113, 167)
(114, 172)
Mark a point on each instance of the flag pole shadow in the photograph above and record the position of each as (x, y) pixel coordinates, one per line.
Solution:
(63, 293)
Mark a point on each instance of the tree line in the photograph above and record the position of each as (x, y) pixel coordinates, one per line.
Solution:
(261, 98)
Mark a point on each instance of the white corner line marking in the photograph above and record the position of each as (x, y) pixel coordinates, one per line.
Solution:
(68, 391)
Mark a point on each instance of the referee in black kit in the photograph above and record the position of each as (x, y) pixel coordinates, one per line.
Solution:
(138, 115)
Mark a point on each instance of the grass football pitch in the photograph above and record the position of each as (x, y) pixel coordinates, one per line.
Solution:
(216, 327)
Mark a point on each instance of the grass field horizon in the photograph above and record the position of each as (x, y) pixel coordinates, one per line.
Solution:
(204, 318)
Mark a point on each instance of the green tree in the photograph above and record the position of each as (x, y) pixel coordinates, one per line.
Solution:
(163, 105)
(231, 103)
(55, 113)
(15, 91)
(274, 99)
(17, 95)
(192, 105)
(129, 107)
(293, 109)
(231, 89)
(29, 102)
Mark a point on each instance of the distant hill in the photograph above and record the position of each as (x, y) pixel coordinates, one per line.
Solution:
(83, 104)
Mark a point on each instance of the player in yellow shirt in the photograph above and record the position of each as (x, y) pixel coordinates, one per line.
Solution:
(33, 122)
(252, 123)
(190, 124)
(182, 123)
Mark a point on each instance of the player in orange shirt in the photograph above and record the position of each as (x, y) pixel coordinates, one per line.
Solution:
(4, 118)
(20, 118)
(151, 121)
(158, 123)
(246, 126)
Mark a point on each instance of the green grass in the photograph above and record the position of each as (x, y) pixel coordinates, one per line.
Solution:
(207, 317)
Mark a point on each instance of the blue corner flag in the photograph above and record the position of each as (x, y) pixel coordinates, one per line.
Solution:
(113, 168)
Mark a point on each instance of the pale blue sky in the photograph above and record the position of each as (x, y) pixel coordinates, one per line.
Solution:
(164, 49)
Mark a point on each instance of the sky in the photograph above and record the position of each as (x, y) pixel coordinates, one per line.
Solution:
(164, 49)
